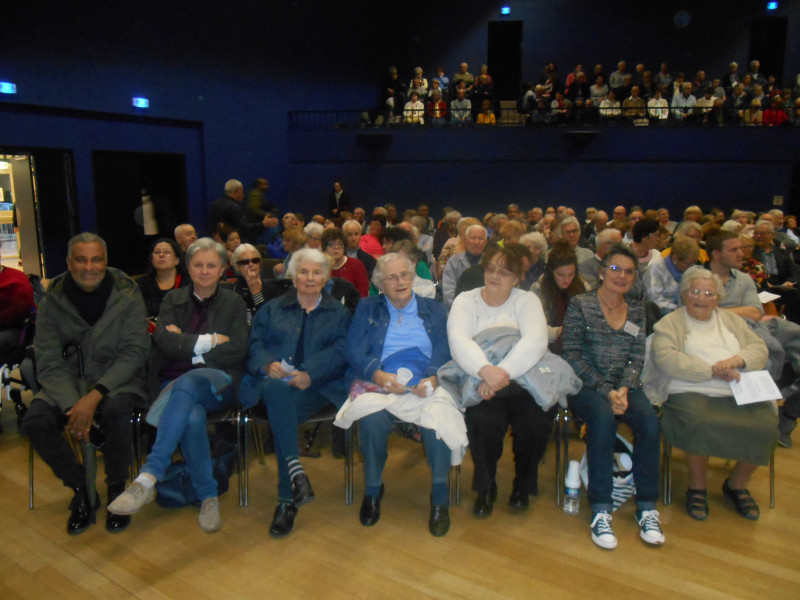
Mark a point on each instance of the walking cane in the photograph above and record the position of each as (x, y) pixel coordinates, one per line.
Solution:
(88, 449)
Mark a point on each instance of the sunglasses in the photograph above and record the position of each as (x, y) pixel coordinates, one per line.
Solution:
(247, 261)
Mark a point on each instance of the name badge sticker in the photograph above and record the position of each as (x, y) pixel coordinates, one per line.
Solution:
(631, 328)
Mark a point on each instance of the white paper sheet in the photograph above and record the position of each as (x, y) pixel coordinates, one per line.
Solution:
(768, 297)
(755, 386)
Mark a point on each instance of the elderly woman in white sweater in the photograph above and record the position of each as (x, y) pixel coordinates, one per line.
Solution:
(696, 352)
(503, 402)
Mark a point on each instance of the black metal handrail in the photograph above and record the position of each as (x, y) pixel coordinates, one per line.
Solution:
(594, 116)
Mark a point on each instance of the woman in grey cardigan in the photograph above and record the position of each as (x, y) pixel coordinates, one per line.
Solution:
(604, 341)
(696, 352)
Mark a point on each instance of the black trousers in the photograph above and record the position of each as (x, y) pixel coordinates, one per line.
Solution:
(487, 424)
(44, 426)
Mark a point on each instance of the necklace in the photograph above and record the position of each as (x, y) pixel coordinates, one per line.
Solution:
(608, 306)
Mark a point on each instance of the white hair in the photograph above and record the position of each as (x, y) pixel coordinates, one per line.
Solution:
(232, 186)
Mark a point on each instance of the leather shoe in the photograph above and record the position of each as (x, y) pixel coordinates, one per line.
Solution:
(519, 500)
(301, 490)
(370, 512)
(439, 523)
(116, 523)
(283, 520)
(484, 504)
(83, 511)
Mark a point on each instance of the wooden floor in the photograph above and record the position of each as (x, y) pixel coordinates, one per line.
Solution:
(539, 554)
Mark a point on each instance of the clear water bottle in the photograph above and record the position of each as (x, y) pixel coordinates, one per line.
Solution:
(572, 485)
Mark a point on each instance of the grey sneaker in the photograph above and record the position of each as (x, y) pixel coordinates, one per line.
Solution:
(132, 499)
(786, 426)
(209, 519)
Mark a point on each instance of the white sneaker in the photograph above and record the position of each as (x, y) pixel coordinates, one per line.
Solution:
(209, 519)
(602, 534)
(650, 527)
(132, 499)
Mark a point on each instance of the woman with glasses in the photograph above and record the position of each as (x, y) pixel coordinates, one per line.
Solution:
(246, 262)
(398, 329)
(697, 351)
(478, 319)
(343, 266)
(165, 274)
(604, 341)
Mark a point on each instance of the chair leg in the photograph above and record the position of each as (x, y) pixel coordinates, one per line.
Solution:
(666, 465)
(349, 454)
(30, 475)
(245, 448)
(557, 425)
(454, 491)
(239, 480)
(258, 441)
(772, 481)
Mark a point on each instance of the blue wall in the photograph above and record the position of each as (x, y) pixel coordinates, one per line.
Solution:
(237, 68)
(485, 169)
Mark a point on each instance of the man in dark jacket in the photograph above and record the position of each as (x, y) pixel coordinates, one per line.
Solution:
(91, 345)
(230, 210)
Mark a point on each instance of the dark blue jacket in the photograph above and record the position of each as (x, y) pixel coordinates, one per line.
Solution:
(368, 333)
(273, 337)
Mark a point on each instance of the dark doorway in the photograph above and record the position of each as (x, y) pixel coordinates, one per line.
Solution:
(124, 220)
(504, 58)
(768, 45)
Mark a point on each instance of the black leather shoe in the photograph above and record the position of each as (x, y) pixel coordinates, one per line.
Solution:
(370, 512)
(83, 511)
(301, 490)
(116, 523)
(519, 500)
(283, 520)
(484, 504)
(439, 523)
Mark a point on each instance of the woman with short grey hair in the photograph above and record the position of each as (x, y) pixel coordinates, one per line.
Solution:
(697, 351)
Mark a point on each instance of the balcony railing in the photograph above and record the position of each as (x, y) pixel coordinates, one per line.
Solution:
(542, 117)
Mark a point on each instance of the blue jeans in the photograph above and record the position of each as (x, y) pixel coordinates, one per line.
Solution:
(184, 421)
(373, 432)
(594, 409)
(287, 407)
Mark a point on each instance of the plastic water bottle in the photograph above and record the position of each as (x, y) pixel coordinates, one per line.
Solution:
(572, 485)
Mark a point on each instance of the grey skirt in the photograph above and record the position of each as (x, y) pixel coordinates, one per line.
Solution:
(717, 426)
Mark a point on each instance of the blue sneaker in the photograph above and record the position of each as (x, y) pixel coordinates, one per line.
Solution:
(650, 527)
(602, 534)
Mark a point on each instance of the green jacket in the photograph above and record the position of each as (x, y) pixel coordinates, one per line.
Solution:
(114, 349)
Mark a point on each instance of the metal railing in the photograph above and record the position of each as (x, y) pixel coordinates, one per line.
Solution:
(594, 116)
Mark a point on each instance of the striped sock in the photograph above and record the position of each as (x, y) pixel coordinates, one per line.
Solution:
(294, 466)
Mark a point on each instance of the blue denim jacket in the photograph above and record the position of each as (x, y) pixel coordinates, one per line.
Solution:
(273, 337)
(368, 333)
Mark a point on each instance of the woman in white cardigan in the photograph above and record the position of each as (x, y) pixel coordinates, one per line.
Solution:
(696, 352)
(503, 402)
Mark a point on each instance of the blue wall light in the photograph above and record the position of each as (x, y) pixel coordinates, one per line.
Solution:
(8, 88)
(505, 10)
(772, 5)
(141, 102)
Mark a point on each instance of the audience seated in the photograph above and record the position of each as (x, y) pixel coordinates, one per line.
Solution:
(166, 272)
(379, 343)
(604, 341)
(696, 352)
(200, 347)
